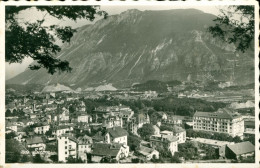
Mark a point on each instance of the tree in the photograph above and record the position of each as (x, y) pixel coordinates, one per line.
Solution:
(8, 113)
(237, 31)
(12, 152)
(25, 158)
(133, 141)
(146, 131)
(35, 40)
(37, 159)
(10, 135)
(74, 160)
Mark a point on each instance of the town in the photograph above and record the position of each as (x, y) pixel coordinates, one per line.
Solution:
(129, 126)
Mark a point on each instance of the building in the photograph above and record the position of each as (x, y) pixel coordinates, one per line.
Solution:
(67, 146)
(238, 150)
(113, 151)
(116, 135)
(141, 119)
(61, 129)
(222, 121)
(111, 120)
(148, 153)
(83, 117)
(84, 147)
(41, 128)
(169, 141)
(180, 133)
(156, 130)
(35, 143)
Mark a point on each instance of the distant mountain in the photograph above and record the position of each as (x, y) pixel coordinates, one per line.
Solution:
(136, 46)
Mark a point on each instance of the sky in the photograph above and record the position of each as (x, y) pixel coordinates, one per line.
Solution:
(14, 69)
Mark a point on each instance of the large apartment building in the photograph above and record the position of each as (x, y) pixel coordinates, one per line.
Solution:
(221, 121)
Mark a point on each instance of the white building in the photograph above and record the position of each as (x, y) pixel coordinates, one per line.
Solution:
(62, 130)
(222, 121)
(169, 141)
(41, 128)
(84, 147)
(67, 146)
(180, 133)
(83, 118)
(116, 135)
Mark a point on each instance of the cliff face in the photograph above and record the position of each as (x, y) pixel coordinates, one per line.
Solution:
(138, 46)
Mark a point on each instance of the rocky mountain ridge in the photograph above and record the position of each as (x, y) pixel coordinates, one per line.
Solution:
(137, 46)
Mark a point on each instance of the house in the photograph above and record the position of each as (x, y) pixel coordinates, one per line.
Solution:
(174, 120)
(84, 146)
(83, 117)
(114, 151)
(116, 135)
(180, 133)
(82, 107)
(35, 143)
(111, 120)
(41, 128)
(11, 126)
(67, 146)
(61, 129)
(238, 150)
(148, 153)
(162, 115)
(126, 114)
(165, 132)
(141, 119)
(64, 116)
(156, 130)
(169, 141)
(98, 137)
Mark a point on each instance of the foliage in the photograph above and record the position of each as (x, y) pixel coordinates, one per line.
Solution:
(237, 31)
(108, 160)
(70, 159)
(35, 40)
(153, 85)
(175, 158)
(211, 135)
(137, 160)
(26, 158)
(12, 152)
(37, 159)
(250, 159)
(54, 158)
(133, 141)
(10, 135)
(211, 152)
(185, 106)
(146, 131)
(250, 138)
(188, 150)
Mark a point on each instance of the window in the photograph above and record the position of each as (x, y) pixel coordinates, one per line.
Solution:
(65, 147)
(65, 142)
(65, 153)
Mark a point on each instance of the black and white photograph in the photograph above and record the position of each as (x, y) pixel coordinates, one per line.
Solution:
(130, 83)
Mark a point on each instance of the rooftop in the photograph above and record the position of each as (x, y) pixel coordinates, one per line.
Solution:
(220, 114)
(103, 149)
(117, 132)
(242, 148)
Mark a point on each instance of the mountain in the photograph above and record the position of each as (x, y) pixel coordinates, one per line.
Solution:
(137, 46)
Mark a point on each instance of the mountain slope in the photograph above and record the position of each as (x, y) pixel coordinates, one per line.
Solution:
(138, 46)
